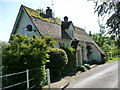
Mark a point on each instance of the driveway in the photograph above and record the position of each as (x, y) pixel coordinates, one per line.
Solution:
(102, 76)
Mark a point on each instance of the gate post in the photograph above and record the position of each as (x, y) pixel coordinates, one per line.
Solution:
(48, 78)
(27, 74)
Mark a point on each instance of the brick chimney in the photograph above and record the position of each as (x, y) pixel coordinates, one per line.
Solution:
(49, 12)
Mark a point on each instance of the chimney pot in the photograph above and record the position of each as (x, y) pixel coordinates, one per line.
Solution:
(65, 19)
(49, 12)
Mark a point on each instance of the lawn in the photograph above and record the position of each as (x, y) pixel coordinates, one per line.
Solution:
(113, 59)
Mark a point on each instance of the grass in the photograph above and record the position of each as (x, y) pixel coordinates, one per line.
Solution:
(113, 59)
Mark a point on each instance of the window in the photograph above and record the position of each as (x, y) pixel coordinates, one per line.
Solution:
(29, 27)
(34, 36)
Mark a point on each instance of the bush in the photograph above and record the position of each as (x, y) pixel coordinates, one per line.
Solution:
(26, 53)
(71, 66)
(87, 66)
(81, 68)
(58, 60)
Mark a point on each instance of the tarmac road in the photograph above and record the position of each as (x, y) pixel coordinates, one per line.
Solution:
(102, 76)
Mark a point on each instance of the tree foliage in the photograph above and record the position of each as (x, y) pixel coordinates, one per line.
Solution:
(26, 53)
(108, 44)
(113, 9)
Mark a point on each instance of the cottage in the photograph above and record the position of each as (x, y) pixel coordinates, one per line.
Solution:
(33, 23)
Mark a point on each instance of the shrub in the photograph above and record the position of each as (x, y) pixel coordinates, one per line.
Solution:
(58, 60)
(71, 54)
(81, 68)
(87, 66)
(26, 53)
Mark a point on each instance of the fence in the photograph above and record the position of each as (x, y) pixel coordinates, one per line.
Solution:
(27, 79)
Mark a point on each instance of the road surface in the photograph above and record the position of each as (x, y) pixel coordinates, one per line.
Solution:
(102, 76)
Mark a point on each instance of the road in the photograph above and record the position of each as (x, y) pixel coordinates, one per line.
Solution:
(102, 76)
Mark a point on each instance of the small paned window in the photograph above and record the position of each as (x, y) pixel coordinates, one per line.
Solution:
(29, 27)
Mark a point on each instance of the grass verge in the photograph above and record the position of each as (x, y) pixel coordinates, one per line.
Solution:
(113, 59)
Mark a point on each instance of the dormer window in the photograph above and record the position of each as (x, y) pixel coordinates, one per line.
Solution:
(29, 27)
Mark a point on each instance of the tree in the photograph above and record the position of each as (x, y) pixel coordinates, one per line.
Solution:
(108, 44)
(26, 53)
(113, 22)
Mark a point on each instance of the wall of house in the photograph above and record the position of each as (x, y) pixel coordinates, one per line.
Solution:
(79, 55)
(70, 31)
(66, 42)
(83, 50)
(24, 21)
(96, 55)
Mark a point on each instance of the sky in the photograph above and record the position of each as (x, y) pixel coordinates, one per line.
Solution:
(80, 12)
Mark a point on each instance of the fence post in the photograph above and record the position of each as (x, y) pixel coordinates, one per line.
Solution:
(27, 74)
(48, 78)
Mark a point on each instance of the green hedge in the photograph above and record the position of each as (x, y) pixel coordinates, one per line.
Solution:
(58, 60)
(71, 66)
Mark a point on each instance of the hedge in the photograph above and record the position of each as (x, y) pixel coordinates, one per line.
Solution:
(58, 60)
(71, 66)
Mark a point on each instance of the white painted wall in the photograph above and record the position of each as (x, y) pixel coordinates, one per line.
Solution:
(84, 56)
(96, 55)
(24, 21)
